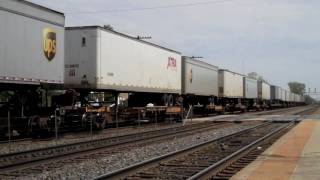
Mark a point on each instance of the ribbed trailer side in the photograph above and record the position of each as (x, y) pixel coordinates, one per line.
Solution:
(230, 84)
(283, 95)
(199, 78)
(264, 91)
(100, 58)
(276, 93)
(250, 88)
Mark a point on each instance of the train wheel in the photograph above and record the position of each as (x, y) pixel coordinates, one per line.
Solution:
(38, 127)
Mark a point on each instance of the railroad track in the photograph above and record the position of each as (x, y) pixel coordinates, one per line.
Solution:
(285, 111)
(22, 163)
(188, 162)
(82, 134)
(309, 111)
(35, 161)
(232, 164)
(16, 140)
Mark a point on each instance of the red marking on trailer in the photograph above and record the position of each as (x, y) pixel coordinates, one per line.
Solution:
(172, 63)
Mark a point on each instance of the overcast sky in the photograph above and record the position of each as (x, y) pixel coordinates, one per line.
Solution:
(279, 39)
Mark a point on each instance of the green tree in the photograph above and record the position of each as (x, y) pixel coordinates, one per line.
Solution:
(297, 87)
(253, 75)
(256, 76)
(5, 96)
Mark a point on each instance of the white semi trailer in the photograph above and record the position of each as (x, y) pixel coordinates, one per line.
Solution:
(100, 58)
(32, 43)
(31, 61)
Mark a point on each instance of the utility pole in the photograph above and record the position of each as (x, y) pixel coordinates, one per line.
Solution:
(243, 66)
(144, 37)
(196, 57)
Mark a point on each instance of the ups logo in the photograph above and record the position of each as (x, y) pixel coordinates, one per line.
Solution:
(49, 43)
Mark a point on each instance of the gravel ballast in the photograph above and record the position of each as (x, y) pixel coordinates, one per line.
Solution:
(95, 167)
(79, 137)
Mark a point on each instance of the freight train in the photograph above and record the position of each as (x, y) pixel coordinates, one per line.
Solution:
(94, 75)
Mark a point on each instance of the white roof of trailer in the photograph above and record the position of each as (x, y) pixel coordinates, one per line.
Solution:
(123, 35)
(40, 7)
(227, 70)
(200, 62)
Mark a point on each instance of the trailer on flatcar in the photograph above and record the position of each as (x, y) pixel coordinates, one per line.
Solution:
(250, 93)
(264, 94)
(231, 90)
(31, 62)
(200, 85)
(102, 61)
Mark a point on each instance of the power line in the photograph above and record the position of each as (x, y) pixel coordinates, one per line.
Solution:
(151, 8)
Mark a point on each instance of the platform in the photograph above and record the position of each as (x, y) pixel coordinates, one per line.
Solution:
(245, 117)
(296, 156)
(212, 118)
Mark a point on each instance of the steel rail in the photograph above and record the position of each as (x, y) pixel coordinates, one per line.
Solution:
(207, 173)
(118, 174)
(26, 157)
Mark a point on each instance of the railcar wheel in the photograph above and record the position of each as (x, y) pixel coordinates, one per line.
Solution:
(38, 127)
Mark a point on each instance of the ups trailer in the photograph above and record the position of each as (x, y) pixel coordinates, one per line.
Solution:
(32, 44)
(31, 60)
